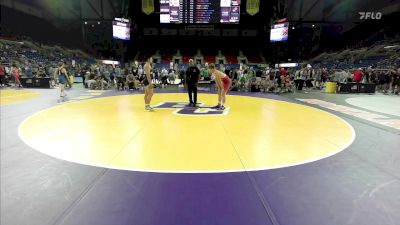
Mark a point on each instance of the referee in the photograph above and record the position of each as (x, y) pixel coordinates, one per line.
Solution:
(192, 78)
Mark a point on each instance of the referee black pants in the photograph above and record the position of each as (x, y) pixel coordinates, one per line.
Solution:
(192, 91)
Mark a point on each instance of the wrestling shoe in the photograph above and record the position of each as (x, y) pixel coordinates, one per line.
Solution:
(148, 108)
(221, 107)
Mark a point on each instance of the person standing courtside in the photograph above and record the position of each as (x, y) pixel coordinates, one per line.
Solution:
(2, 75)
(63, 80)
(148, 85)
(192, 78)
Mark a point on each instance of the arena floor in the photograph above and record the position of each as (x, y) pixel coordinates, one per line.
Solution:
(101, 159)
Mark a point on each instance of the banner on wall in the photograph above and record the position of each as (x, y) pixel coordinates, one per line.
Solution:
(148, 6)
(253, 7)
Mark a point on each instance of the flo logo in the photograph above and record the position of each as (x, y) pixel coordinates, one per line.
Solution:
(370, 15)
(182, 109)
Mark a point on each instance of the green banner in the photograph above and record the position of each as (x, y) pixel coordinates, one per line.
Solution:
(148, 6)
(253, 6)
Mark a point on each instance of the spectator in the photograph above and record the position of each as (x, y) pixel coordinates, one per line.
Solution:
(171, 77)
(2, 75)
(283, 72)
(388, 79)
(235, 75)
(83, 72)
(381, 81)
(373, 78)
(243, 81)
(130, 81)
(90, 80)
(357, 75)
(117, 71)
(106, 75)
(8, 71)
(16, 71)
(368, 74)
(299, 80)
(324, 76)
(396, 82)
(164, 77)
(205, 74)
(182, 75)
(318, 78)
(28, 70)
(228, 71)
(140, 71)
(307, 74)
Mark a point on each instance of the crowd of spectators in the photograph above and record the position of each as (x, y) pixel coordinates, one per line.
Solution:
(378, 63)
(27, 59)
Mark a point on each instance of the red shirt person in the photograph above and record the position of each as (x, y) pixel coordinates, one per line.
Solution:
(2, 70)
(357, 75)
(2, 75)
(283, 72)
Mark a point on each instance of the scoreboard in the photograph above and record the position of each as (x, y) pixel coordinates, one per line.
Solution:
(200, 11)
(279, 32)
(121, 28)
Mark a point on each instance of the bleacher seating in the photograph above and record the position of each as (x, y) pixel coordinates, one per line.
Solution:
(376, 56)
(186, 58)
(252, 56)
(209, 55)
(231, 59)
(39, 55)
(209, 52)
(209, 58)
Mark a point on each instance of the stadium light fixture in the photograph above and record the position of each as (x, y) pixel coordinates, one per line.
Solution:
(282, 20)
(391, 46)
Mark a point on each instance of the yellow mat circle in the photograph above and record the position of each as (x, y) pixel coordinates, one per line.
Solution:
(10, 96)
(252, 134)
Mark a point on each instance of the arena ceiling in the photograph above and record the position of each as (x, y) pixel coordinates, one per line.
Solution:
(305, 10)
(70, 10)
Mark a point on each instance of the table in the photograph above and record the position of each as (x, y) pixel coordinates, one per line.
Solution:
(356, 88)
(35, 82)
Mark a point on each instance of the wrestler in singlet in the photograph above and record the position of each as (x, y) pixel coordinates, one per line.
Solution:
(227, 82)
(223, 82)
